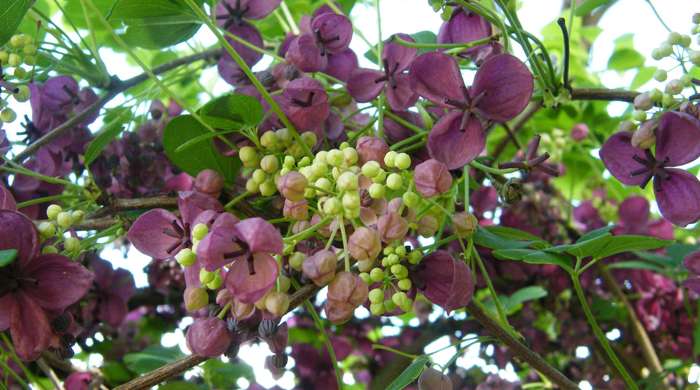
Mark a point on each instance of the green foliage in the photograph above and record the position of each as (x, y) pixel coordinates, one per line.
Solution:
(151, 358)
(515, 301)
(410, 374)
(11, 14)
(220, 375)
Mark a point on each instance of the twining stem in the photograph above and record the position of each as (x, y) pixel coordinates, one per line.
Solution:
(408, 141)
(274, 106)
(631, 384)
(237, 199)
(465, 45)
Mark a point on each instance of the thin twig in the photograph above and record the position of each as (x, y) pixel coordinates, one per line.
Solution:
(48, 371)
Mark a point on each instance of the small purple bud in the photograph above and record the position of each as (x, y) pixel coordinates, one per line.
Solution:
(298, 211)
(432, 178)
(320, 267)
(579, 132)
(292, 186)
(209, 182)
(391, 227)
(345, 293)
(208, 337)
(692, 262)
(644, 137)
(464, 224)
(364, 244)
(371, 149)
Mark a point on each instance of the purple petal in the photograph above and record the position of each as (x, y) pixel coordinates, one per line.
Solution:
(436, 77)
(78, 381)
(59, 282)
(431, 178)
(193, 203)
(463, 27)
(678, 138)
(398, 57)
(363, 84)
(87, 98)
(634, 212)
(212, 249)
(617, 154)
(247, 287)
(29, 327)
(334, 31)
(305, 55)
(230, 71)
(678, 197)
(446, 281)
(342, 64)
(693, 284)
(112, 310)
(400, 96)
(453, 146)
(7, 201)
(502, 87)
(260, 235)
(6, 302)
(258, 9)
(147, 233)
(305, 102)
(18, 232)
(251, 34)
(692, 262)
(59, 92)
(484, 199)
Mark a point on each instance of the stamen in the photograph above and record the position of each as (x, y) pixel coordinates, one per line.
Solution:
(251, 265)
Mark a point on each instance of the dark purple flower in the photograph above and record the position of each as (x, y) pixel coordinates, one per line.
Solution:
(371, 149)
(502, 88)
(484, 199)
(366, 84)
(587, 216)
(114, 289)
(330, 33)
(445, 281)
(34, 286)
(78, 381)
(305, 102)
(208, 337)
(7, 201)
(677, 143)
(465, 26)
(341, 65)
(161, 234)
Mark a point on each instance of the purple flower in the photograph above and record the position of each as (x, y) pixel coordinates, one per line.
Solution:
(34, 287)
(465, 26)
(432, 178)
(677, 143)
(330, 33)
(502, 88)
(341, 65)
(7, 201)
(161, 234)
(587, 216)
(78, 381)
(366, 84)
(305, 102)
(395, 131)
(208, 337)
(445, 281)
(114, 289)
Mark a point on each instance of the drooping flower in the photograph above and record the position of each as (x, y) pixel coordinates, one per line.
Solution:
(366, 84)
(305, 102)
(445, 281)
(7, 201)
(208, 337)
(346, 292)
(78, 381)
(677, 143)
(330, 33)
(501, 89)
(320, 267)
(432, 178)
(161, 234)
(465, 26)
(35, 286)
(114, 289)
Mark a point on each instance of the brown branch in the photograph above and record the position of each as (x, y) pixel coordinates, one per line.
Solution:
(519, 349)
(162, 374)
(115, 88)
(618, 95)
(640, 334)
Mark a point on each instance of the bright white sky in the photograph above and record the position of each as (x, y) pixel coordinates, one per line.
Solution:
(409, 16)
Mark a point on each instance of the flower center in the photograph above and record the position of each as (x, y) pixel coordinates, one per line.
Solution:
(321, 41)
(182, 233)
(651, 168)
(389, 74)
(304, 103)
(235, 14)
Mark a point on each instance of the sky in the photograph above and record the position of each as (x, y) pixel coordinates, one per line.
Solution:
(409, 16)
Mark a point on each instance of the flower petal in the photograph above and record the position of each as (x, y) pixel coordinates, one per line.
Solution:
(212, 249)
(341, 65)
(678, 197)
(398, 57)
(18, 232)
(334, 30)
(678, 138)
(112, 310)
(305, 55)
(247, 287)
(634, 212)
(505, 85)
(258, 9)
(251, 34)
(57, 282)
(7, 302)
(436, 77)
(445, 281)
(400, 96)
(691, 262)
(453, 146)
(260, 235)
(29, 328)
(147, 233)
(7, 201)
(363, 84)
(463, 27)
(617, 154)
(208, 337)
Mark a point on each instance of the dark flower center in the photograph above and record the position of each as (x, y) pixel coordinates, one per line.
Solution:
(74, 98)
(389, 74)
(181, 232)
(321, 41)
(651, 168)
(304, 103)
(11, 280)
(244, 250)
(467, 104)
(235, 14)
(31, 133)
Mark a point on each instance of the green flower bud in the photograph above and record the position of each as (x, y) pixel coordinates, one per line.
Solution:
(195, 298)
(205, 276)
(365, 277)
(667, 100)
(17, 40)
(376, 295)
(289, 162)
(393, 258)
(674, 87)
(199, 231)
(332, 206)
(259, 176)
(64, 219)
(321, 156)
(685, 41)
(415, 257)
(351, 200)
(78, 216)
(14, 60)
(269, 164)
(268, 188)
(296, 260)
(371, 168)
(269, 140)
(377, 191)
(347, 181)
(324, 184)
(22, 94)
(8, 115)
(665, 50)
(350, 156)
(71, 244)
(380, 177)
(400, 271)
(376, 275)
(376, 309)
(399, 298)
(639, 116)
(309, 138)
(660, 75)
(186, 257)
(402, 161)
(335, 157)
(49, 250)
(29, 49)
(643, 102)
(656, 95)
(46, 229)
(216, 282)
(394, 181)
(673, 38)
(400, 251)
(284, 136)
(405, 284)
(390, 159)
(248, 155)
(276, 302)
(389, 305)
(4, 56)
(251, 186)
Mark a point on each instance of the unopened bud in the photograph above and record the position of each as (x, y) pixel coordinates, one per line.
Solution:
(277, 303)
(643, 102)
(195, 298)
(644, 137)
(464, 224)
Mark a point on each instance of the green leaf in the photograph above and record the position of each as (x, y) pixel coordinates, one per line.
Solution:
(584, 248)
(151, 358)
(625, 59)
(222, 375)
(512, 233)
(100, 142)
(533, 256)
(155, 24)
(11, 16)
(7, 256)
(595, 233)
(115, 373)
(644, 74)
(237, 109)
(620, 244)
(589, 5)
(514, 302)
(489, 239)
(636, 264)
(202, 155)
(410, 374)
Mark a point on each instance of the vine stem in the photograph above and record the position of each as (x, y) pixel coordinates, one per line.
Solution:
(631, 384)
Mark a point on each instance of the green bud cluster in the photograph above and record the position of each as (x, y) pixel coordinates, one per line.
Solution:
(54, 229)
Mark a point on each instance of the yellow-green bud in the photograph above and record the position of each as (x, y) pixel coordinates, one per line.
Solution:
(8, 115)
(296, 260)
(205, 276)
(377, 309)
(389, 159)
(22, 94)
(402, 161)
(269, 164)
(371, 168)
(216, 283)
(377, 191)
(394, 181)
(324, 184)
(332, 206)
(64, 219)
(335, 157)
(14, 60)
(347, 181)
(350, 156)
(405, 284)
(376, 295)
(186, 257)
(195, 298)
(284, 282)
(268, 188)
(71, 244)
(199, 231)
(377, 274)
(351, 200)
(309, 138)
(49, 250)
(251, 186)
(47, 229)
